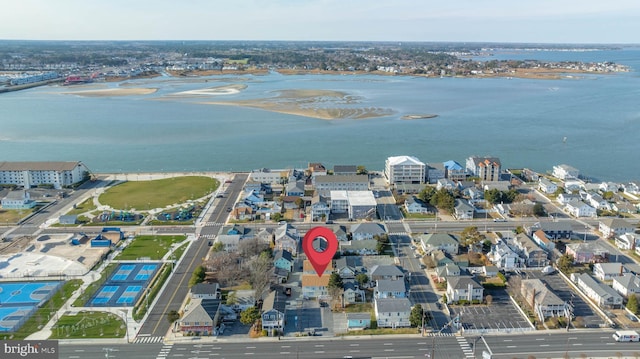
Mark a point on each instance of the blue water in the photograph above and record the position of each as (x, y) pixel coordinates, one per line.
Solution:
(523, 122)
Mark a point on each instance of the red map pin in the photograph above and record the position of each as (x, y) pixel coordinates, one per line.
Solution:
(320, 244)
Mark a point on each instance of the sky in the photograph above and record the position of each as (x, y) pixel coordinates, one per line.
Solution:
(529, 21)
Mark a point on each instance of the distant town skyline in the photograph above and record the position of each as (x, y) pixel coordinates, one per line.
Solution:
(541, 21)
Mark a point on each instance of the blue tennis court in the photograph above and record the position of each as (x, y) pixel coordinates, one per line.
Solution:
(125, 285)
(19, 300)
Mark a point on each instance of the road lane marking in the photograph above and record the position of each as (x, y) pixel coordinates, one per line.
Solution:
(544, 345)
(79, 350)
(512, 346)
(354, 351)
(577, 344)
(422, 343)
(389, 350)
(508, 340)
(249, 353)
(286, 346)
(251, 347)
(354, 345)
(319, 345)
(539, 338)
(282, 353)
(319, 352)
(387, 344)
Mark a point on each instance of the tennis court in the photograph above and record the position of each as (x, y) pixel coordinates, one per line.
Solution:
(19, 300)
(125, 285)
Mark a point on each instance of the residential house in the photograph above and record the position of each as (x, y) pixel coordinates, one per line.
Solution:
(200, 317)
(68, 219)
(206, 291)
(502, 186)
(463, 210)
(603, 295)
(530, 175)
(404, 169)
(362, 247)
(454, 171)
(314, 286)
(265, 175)
(624, 207)
(415, 205)
(440, 258)
(533, 255)
(17, 200)
(283, 259)
(543, 241)
(345, 170)
(579, 209)
(358, 321)
(565, 172)
(341, 233)
(317, 169)
(503, 257)
(348, 266)
(392, 312)
(610, 187)
(607, 271)
(357, 204)
(230, 242)
(434, 172)
(564, 198)
(588, 252)
(265, 235)
(542, 300)
(627, 241)
(485, 168)
(388, 288)
(367, 230)
(388, 272)
(295, 188)
(596, 201)
(445, 183)
(547, 186)
(632, 188)
(490, 271)
(352, 292)
(463, 288)
(447, 270)
(553, 230)
(286, 238)
(474, 193)
(319, 210)
(626, 284)
(611, 227)
(243, 212)
(442, 241)
(273, 313)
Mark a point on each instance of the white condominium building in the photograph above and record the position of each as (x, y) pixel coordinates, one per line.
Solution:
(404, 169)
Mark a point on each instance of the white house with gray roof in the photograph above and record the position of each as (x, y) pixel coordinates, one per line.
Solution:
(366, 230)
(611, 227)
(442, 241)
(341, 183)
(607, 271)
(380, 272)
(387, 288)
(544, 302)
(626, 284)
(463, 288)
(601, 294)
(547, 186)
(565, 172)
(392, 312)
(463, 210)
(404, 169)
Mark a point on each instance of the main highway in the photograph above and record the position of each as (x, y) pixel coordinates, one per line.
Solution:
(557, 344)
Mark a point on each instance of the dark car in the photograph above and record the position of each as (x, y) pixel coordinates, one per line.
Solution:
(228, 209)
(210, 243)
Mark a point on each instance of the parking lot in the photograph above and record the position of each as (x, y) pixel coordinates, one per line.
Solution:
(582, 309)
(502, 315)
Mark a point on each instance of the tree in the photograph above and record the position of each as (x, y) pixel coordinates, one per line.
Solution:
(415, 317)
(335, 288)
(362, 279)
(470, 236)
(249, 316)
(361, 170)
(632, 304)
(382, 242)
(260, 273)
(232, 298)
(197, 276)
(565, 263)
(538, 210)
(172, 316)
(493, 196)
(217, 247)
(276, 217)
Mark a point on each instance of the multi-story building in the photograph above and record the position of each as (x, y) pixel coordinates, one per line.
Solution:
(404, 169)
(31, 174)
(341, 183)
(486, 168)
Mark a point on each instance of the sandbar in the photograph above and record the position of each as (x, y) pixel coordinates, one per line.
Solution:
(113, 92)
(418, 117)
(213, 91)
(320, 104)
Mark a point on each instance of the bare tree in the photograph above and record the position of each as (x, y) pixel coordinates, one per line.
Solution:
(225, 268)
(260, 270)
(488, 299)
(247, 248)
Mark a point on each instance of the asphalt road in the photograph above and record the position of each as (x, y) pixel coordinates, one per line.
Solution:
(177, 287)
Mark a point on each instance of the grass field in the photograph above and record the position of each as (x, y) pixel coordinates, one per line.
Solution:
(86, 206)
(145, 195)
(89, 325)
(12, 216)
(154, 247)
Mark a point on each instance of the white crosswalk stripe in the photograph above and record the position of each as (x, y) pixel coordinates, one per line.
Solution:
(440, 334)
(208, 236)
(399, 234)
(148, 340)
(213, 224)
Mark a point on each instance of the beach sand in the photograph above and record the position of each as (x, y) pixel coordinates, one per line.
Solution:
(112, 92)
(320, 104)
(212, 91)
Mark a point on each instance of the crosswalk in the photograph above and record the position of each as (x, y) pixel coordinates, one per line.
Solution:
(466, 348)
(440, 334)
(208, 236)
(164, 352)
(212, 224)
(141, 339)
(399, 234)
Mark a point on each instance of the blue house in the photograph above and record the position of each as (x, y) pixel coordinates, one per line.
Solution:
(358, 321)
(283, 259)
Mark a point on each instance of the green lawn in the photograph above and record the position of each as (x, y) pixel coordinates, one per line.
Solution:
(86, 206)
(44, 313)
(154, 247)
(89, 325)
(12, 216)
(144, 195)
(358, 308)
